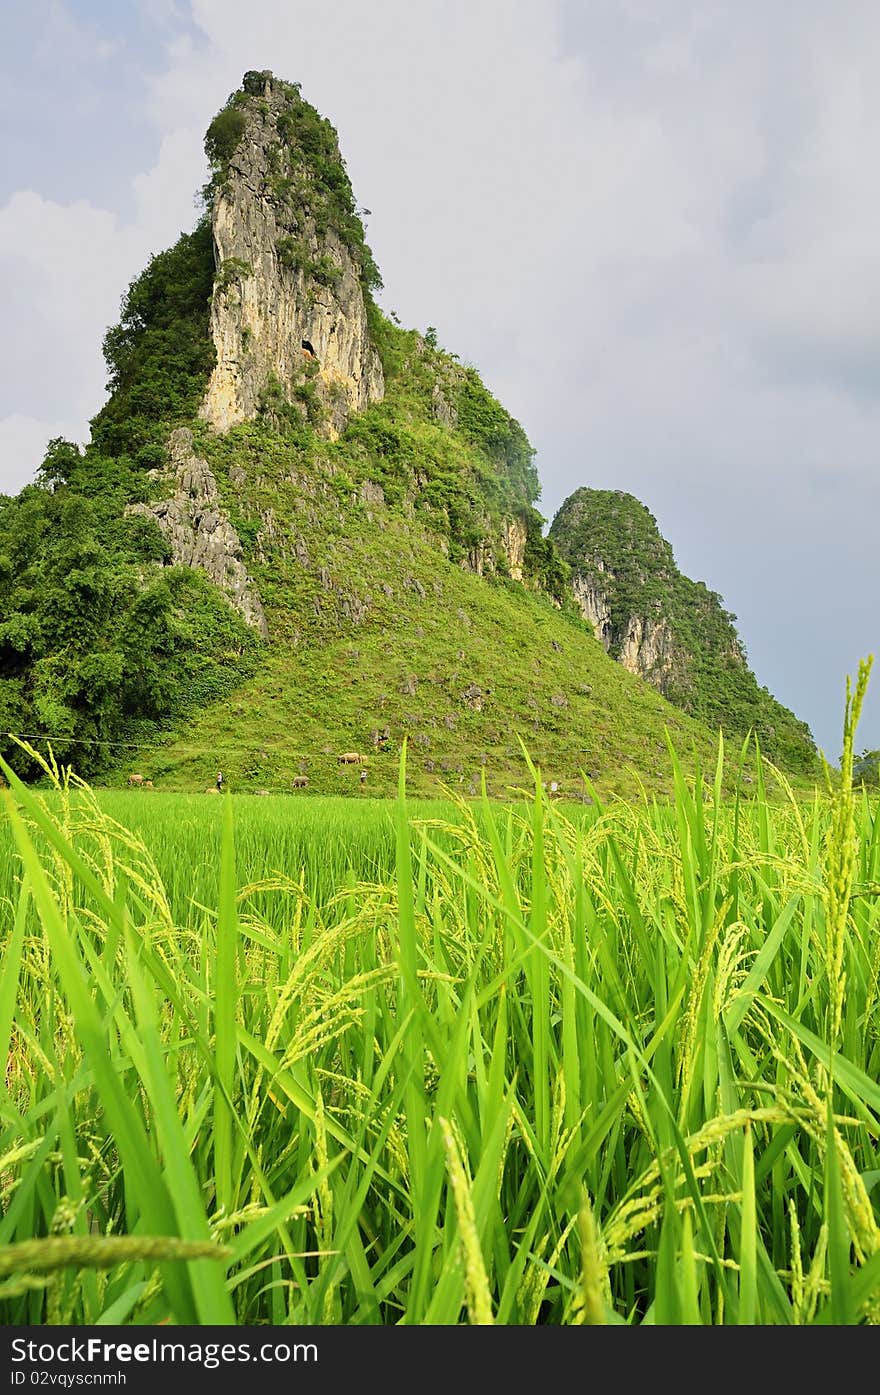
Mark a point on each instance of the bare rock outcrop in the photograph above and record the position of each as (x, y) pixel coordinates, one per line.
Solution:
(646, 644)
(507, 546)
(198, 532)
(592, 600)
(648, 648)
(513, 540)
(288, 311)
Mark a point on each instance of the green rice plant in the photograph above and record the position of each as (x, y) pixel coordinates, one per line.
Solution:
(407, 1063)
(842, 845)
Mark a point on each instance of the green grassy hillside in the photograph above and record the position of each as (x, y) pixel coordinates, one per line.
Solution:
(377, 636)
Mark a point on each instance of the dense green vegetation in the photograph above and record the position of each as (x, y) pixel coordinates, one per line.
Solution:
(611, 538)
(100, 641)
(160, 354)
(509, 1065)
(97, 643)
(866, 769)
(223, 135)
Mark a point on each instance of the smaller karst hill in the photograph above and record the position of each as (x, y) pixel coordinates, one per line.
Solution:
(673, 632)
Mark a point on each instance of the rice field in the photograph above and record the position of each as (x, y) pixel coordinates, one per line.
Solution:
(327, 1062)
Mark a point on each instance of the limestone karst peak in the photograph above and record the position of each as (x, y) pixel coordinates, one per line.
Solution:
(289, 316)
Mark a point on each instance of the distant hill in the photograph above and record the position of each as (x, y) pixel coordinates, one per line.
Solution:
(672, 631)
(866, 768)
(301, 530)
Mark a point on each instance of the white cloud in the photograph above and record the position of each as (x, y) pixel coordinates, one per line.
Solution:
(75, 259)
(165, 195)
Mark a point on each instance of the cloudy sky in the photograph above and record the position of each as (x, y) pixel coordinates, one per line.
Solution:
(653, 225)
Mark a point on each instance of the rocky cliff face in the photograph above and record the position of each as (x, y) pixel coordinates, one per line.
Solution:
(591, 593)
(649, 649)
(197, 530)
(509, 547)
(288, 314)
(622, 589)
(643, 644)
(513, 539)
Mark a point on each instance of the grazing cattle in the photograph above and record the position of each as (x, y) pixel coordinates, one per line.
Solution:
(300, 782)
(148, 784)
(350, 758)
(135, 779)
(213, 790)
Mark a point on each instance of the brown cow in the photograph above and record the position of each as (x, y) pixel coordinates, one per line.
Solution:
(350, 758)
(135, 779)
(148, 784)
(300, 782)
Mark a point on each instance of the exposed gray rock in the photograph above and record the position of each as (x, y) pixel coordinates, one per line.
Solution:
(647, 646)
(649, 649)
(594, 604)
(197, 530)
(355, 608)
(442, 409)
(513, 540)
(371, 493)
(473, 696)
(266, 307)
